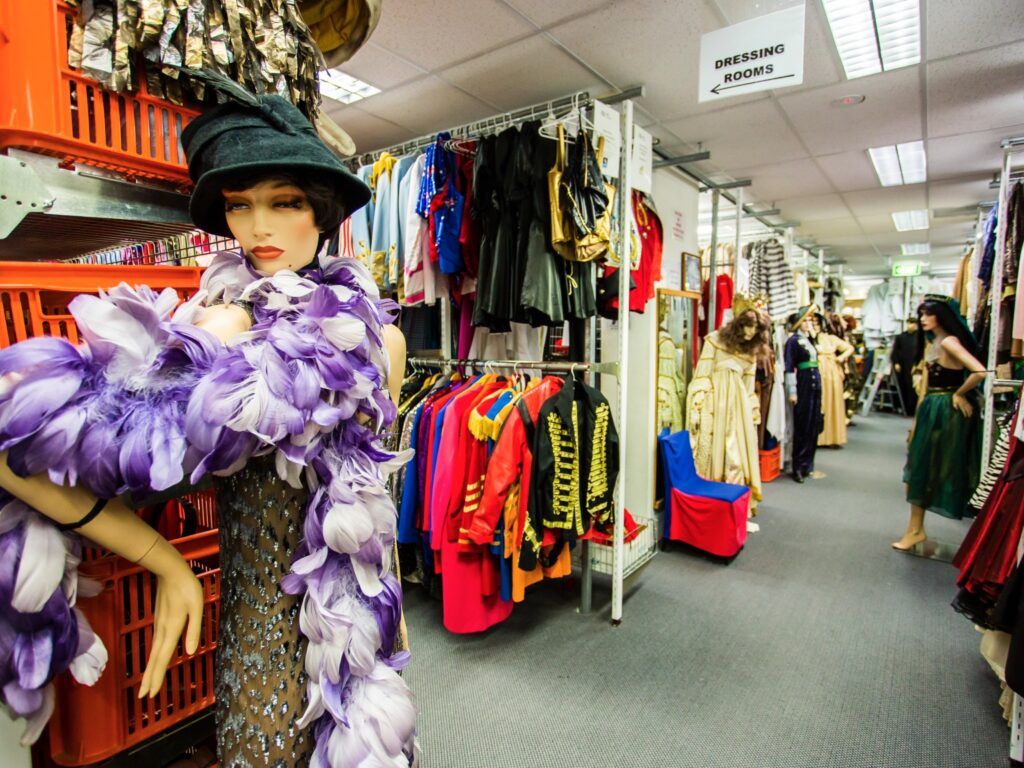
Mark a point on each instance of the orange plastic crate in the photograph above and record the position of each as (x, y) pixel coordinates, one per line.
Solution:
(771, 464)
(93, 723)
(90, 724)
(47, 107)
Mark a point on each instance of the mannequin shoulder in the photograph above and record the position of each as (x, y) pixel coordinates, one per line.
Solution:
(225, 321)
(394, 342)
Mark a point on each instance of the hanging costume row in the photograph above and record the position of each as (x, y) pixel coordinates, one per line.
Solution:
(508, 475)
(513, 224)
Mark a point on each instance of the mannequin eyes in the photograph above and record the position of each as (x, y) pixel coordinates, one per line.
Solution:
(293, 204)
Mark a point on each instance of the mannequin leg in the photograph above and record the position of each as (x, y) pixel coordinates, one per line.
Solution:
(915, 530)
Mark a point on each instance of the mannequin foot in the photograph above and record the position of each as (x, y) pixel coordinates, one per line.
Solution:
(909, 541)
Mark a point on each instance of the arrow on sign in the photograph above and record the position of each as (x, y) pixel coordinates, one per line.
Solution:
(720, 87)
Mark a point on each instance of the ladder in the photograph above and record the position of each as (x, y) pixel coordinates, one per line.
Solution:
(881, 385)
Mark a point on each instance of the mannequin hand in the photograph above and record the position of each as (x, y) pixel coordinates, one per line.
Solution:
(896, 367)
(963, 405)
(179, 597)
(792, 399)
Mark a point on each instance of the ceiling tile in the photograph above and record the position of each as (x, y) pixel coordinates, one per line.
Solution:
(813, 208)
(380, 68)
(959, 26)
(849, 171)
(651, 42)
(778, 181)
(368, 131)
(544, 12)
(880, 224)
(425, 106)
(968, 155)
(749, 134)
(889, 114)
(959, 193)
(447, 31)
(885, 200)
(976, 90)
(839, 231)
(542, 72)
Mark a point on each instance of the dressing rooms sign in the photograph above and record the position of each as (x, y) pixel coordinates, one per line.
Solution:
(754, 55)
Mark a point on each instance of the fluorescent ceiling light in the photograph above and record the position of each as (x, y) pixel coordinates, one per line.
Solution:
(913, 162)
(915, 249)
(908, 220)
(335, 84)
(900, 164)
(875, 35)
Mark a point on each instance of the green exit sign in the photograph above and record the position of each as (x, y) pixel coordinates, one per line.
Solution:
(906, 269)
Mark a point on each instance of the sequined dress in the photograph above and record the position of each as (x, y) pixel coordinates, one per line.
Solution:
(260, 680)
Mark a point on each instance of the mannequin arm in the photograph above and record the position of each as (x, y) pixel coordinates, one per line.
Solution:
(845, 350)
(179, 596)
(394, 343)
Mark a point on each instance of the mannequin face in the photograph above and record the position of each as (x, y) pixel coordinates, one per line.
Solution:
(928, 322)
(748, 325)
(807, 326)
(274, 223)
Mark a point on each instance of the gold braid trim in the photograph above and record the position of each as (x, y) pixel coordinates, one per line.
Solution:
(597, 483)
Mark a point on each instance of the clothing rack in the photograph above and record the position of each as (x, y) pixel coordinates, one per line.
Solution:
(564, 105)
(552, 366)
(619, 364)
(176, 249)
(1011, 147)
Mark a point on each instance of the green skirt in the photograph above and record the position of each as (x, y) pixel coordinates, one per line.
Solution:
(943, 461)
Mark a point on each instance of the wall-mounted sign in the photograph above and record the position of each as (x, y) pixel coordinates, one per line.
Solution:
(643, 160)
(607, 123)
(906, 268)
(754, 55)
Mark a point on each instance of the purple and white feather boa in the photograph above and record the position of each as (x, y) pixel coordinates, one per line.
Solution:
(149, 399)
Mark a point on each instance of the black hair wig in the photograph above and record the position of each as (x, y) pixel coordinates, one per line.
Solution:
(950, 320)
(324, 199)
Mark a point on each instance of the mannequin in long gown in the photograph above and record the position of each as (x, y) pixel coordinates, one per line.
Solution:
(722, 409)
(833, 353)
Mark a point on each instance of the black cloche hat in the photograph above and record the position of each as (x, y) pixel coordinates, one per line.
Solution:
(249, 134)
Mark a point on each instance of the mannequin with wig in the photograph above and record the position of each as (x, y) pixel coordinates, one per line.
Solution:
(944, 455)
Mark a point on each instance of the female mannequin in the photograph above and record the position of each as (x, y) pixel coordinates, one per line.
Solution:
(803, 385)
(833, 352)
(722, 411)
(945, 447)
(275, 379)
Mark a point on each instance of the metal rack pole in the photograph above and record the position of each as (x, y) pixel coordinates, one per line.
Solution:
(739, 231)
(713, 263)
(625, 198)
(995, 296)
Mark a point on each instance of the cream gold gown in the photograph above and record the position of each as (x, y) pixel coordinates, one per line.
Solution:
(722, 414)
(833, 405)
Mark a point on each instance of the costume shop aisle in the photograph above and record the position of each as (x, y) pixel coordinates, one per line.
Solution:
(818, 647)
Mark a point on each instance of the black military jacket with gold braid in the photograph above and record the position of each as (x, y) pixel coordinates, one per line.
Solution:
(575, 465)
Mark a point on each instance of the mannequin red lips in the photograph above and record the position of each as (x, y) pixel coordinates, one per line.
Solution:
(266, 252)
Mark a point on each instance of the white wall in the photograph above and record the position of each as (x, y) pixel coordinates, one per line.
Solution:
(676, 200)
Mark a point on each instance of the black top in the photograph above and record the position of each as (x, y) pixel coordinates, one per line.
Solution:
(941, 377)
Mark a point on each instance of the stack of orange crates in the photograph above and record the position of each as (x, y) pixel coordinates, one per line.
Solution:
(91, 724)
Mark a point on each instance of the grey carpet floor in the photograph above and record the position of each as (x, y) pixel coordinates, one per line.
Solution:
(818, 647)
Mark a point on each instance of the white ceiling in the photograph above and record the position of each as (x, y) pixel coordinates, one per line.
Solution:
(449, 62)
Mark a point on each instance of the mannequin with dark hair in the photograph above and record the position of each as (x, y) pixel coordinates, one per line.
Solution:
(945, 446)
